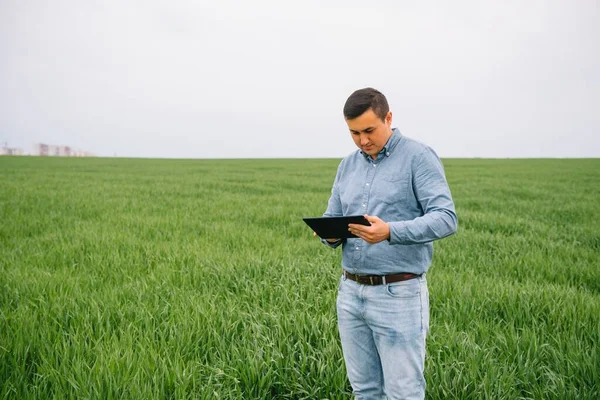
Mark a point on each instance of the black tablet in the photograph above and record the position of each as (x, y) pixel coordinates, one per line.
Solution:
(335, 227)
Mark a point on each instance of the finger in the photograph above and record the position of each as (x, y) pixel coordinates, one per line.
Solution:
(371, 219)
(356, 232)
(358, 226)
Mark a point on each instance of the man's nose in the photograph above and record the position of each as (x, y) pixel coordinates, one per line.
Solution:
(364, 139)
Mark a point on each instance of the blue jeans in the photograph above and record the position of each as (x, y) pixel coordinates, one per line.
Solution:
(383, 330)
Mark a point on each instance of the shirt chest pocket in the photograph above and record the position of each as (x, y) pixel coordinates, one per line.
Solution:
(391, 189)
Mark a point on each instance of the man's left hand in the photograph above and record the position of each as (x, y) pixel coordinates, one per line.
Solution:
(377, 232)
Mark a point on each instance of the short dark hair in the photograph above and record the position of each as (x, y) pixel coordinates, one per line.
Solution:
(363, 99)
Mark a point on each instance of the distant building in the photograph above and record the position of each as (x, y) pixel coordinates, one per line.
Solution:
(64, 151)
(10, 151)
(81, 153)
(40, 149)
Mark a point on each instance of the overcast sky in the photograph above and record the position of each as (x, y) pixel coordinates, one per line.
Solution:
(268, 78)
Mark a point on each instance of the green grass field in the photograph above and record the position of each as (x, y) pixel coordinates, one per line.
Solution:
(137, 278)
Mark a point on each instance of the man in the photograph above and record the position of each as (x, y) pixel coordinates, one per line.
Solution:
(383, 300)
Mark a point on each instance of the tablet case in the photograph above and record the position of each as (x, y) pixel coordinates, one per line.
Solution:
(335, 227)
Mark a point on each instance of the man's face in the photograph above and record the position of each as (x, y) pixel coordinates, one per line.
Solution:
(369, 132)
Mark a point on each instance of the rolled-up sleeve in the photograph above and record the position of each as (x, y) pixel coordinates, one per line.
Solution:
(433, 195)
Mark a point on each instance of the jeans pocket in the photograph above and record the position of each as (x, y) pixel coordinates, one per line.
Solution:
(404, 290)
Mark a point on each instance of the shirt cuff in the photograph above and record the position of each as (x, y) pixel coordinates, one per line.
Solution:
(332, 245)
(397, 232)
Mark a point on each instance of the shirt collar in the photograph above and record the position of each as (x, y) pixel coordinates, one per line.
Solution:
(389, 146)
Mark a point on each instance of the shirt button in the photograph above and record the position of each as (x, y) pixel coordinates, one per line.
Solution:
(367, 184)
(364, 205)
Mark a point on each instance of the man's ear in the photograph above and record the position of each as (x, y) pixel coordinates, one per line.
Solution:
(388, 119)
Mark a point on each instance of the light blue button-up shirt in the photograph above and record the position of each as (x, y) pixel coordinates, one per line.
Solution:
(405, 187)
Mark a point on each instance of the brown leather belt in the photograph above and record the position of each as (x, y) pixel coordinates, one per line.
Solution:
(380, 279)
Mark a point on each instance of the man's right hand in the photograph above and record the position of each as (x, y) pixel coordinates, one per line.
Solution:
(329, 240)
